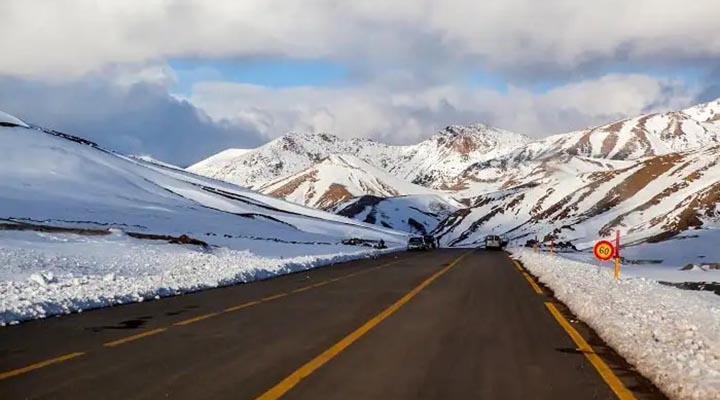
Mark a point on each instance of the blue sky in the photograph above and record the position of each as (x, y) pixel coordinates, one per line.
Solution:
(282, 73)
(274, 73)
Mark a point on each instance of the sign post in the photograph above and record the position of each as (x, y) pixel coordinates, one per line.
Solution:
(617, 255)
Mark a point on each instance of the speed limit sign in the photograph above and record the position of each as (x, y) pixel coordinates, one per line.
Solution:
(604, 250)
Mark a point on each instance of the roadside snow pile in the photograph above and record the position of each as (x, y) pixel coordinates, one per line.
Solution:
(44, 275)
(671, 336)
(8, 120)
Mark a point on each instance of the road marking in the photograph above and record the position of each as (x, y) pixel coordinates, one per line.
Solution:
(528, 278)
(311, 366)
(518, 266)
(605, 372)
(241, 306)
(532, 283)
(273, 297)
(41, 364)
(19, 371)
(196, 319)
(134, 337)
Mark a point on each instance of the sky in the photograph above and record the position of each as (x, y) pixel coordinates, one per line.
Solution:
(181, 80)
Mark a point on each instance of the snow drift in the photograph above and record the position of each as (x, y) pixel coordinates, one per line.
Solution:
(671, 336)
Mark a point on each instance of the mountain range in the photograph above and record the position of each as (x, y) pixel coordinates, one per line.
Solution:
(650, 176)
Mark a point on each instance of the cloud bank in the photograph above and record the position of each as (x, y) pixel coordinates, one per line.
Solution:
(101, 69)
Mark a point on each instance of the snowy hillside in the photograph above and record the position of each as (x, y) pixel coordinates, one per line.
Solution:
(432, 163)
(417, 214)
(77, 184)
(337, 179)
(632, 138)
(580, 199)
(84, 227)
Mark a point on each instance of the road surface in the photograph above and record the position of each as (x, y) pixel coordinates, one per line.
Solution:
(445, 324)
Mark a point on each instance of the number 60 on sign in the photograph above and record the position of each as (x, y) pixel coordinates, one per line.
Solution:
(604, 250)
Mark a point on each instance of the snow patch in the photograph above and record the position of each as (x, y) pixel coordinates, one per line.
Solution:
(44, 275)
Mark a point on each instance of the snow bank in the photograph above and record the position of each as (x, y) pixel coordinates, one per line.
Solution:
(43, 275)
(671, 336)
(6, 118)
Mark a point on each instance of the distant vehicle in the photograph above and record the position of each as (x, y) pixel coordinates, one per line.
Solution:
(505, 241)
(493, 242)
(430, 241)
(417, 243)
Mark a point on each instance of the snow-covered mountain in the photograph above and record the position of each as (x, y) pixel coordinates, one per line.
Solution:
(337, 179)
(632, 138)
(432, 163)
(417, 214)
(580, 199)
(510, 183)
(74, 183)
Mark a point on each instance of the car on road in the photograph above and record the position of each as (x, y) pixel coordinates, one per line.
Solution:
(417, 243)
(493, 242)
(430, 241)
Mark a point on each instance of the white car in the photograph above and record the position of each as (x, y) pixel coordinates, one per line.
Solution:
(493, 242)
(416, 243)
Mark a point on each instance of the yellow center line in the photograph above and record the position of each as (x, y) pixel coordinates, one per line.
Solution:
(311, 366)
(241, 306)
(620, 390)
(323, 283)
(302, 289)
(41, 364)
(532, 283)
(273, 297)
(196, 319)
(134, 337)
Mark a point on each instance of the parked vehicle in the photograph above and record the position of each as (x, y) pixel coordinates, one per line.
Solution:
(417, 243)
(493, 242)
(430, 241)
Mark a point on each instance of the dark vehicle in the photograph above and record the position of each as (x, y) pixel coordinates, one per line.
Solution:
(504, 240)
(416, 243)
(493, 242)
(430, 241)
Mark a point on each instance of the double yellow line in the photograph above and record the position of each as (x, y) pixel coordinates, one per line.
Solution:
(153, 332)
(615, 384)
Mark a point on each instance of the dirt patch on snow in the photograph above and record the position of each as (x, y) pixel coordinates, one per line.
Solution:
(290, 187)
(649, 170)
(335, 194)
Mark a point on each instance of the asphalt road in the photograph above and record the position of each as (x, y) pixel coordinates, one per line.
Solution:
(446, 324)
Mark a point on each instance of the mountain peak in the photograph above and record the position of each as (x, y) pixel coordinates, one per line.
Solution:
(454, 130)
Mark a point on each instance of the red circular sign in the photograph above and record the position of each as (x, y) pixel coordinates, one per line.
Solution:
(604, 250)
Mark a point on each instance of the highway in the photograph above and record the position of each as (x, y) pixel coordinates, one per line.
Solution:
(443, 324)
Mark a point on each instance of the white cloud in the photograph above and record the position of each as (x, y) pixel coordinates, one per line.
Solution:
(55, 38)
(408, 62)
(407, 116)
